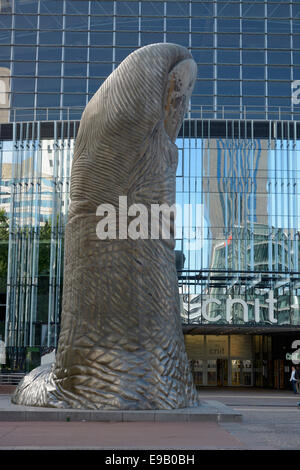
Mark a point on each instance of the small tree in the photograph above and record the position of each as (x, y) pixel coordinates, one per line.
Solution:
(4, 225)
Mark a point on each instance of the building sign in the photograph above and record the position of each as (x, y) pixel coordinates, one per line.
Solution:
(213, 310)
(295, 356)
(217, 346)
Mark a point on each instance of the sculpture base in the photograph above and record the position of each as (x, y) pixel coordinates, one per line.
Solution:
(209, 410)
(40, 388)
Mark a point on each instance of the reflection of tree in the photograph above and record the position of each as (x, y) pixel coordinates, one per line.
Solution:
(43, 244)
(4, 225)
(44, 248)
(45, 235)
(44, 271)
(4, 236)
(49, 282)
(45, 231)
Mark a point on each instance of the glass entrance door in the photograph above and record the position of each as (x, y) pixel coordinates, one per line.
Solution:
(247, 372)
(222, 372)
(226, 361)
(235, 372)
(211, 372)
(241, 372)
(198, 372)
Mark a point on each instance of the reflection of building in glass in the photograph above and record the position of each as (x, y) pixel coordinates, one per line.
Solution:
(251, 193)
(235, 173)
(4, 94)
(6, 6)
(248, 285)
(35, 181)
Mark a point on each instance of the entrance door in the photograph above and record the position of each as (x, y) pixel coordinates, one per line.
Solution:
(241, 372)
(211, 372)
(279, 373)
(247, 372)
(235, 372)
(222, 372)
(198, 372)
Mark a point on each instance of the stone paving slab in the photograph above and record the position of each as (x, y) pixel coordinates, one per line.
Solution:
(209, 410)
(118, 436)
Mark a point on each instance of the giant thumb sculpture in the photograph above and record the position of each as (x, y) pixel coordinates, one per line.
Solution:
(121, 343)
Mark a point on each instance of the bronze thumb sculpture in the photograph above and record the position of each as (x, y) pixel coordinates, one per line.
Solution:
(121, 344)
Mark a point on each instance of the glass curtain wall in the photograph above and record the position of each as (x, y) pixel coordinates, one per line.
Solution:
(55, 54)
(237, 228)
(240, 226)
(34, 200)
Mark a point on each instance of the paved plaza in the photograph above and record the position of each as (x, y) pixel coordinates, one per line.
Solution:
(270, 421)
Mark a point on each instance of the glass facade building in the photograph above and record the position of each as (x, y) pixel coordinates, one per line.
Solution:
(57, 53)
(238, 176)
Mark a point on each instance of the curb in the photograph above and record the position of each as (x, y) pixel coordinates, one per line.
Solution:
(208, 411)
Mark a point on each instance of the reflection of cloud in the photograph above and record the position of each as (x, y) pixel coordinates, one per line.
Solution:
(4, 94)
